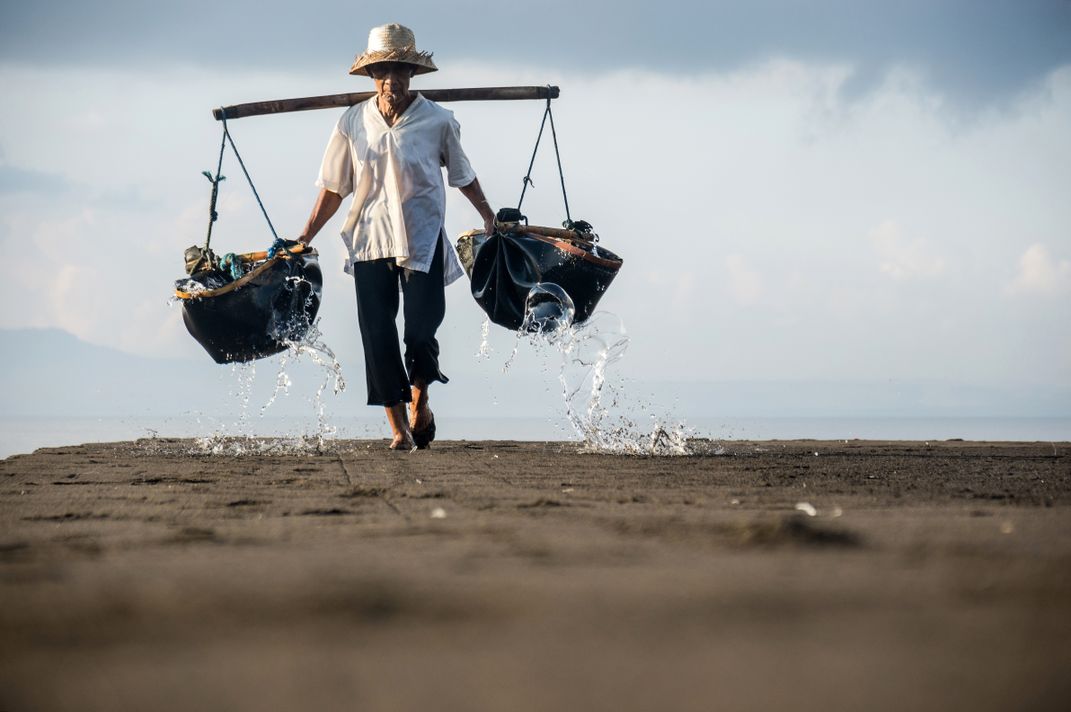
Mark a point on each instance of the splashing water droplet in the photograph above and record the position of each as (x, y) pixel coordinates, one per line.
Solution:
(548, 308)
(484, 352)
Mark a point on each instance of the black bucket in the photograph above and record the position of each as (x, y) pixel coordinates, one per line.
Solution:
(504, 268)
(258, 314)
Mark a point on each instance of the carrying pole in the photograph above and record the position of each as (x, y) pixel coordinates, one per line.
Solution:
(280, 106)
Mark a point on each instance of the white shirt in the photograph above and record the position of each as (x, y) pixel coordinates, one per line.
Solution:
(395, 175)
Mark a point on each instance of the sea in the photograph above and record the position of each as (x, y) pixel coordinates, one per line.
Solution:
(26, 434)
(597, 407)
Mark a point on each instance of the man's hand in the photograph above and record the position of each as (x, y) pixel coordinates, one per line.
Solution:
(327, 203)
(474, 193)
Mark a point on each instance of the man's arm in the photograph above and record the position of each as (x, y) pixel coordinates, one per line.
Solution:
(474, 193)
(327, 204)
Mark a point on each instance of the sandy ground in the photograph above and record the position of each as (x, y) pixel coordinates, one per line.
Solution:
(528, 576)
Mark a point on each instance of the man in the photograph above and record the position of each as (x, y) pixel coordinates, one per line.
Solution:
(389, 152)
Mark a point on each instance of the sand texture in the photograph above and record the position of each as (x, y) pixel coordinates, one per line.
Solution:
(529, 576)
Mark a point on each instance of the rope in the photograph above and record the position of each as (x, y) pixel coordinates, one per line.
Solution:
(554, 135)
(212, 214)
(528, 177)
(232, 264)
(227, 137)
(277, 246)
(527, 180)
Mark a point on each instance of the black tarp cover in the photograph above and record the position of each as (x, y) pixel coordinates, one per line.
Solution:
(503, 269)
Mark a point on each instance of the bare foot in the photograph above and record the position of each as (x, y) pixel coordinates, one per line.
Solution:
(419, 413)
(403, 442)
(403, 438)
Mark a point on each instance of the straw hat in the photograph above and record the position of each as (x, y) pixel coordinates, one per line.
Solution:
(392, 43)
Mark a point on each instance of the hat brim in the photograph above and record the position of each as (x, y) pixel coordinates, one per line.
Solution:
(420, 61)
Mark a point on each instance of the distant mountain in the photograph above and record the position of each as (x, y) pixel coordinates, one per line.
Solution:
(49, 372)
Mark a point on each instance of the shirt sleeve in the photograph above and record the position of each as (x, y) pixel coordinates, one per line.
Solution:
(458, 170)
(336, 170)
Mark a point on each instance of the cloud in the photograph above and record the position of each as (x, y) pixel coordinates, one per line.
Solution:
(1041, 273)
(901, 258)
(976, 51)
(20, 180)
(745, 284)
(675, 288)
(50, 186)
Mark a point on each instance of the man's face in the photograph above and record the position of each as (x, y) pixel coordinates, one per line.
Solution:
(392, 80)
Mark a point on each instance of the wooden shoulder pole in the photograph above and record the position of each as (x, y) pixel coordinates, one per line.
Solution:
(280, 106)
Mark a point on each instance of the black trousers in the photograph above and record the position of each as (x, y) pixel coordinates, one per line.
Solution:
(424, 298)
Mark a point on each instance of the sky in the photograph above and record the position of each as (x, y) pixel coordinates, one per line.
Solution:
(801, 191)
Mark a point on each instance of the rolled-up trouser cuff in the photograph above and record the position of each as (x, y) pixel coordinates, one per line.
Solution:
(424, 297)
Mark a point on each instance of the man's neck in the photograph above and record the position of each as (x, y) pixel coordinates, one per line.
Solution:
(392, 112)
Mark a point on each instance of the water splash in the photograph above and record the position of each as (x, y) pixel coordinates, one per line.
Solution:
(517, 338)
(598, 406)
(189, 285)
(303, 341)
(242, 441)
(245, 376)
(548, 308)
(316, 350)
(249, 445)
(484, 352)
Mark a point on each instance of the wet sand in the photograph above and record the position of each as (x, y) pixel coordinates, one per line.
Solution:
(528, 576)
